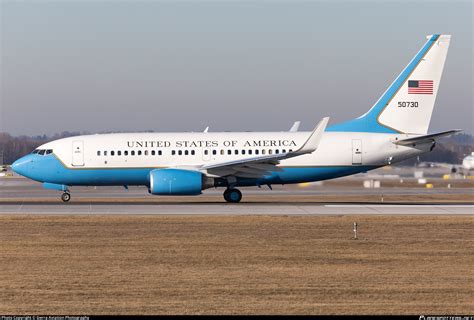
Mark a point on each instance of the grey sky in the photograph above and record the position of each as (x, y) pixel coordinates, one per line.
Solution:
(180, 66)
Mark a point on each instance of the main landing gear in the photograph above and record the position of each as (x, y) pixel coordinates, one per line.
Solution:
(66, 196)
(232, 195)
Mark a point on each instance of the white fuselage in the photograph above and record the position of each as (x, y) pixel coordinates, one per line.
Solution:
(195, 149)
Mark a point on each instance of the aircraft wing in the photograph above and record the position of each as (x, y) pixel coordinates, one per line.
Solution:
(425, 138)
(256, 167)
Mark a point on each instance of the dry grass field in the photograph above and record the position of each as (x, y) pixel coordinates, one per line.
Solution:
(236, 264)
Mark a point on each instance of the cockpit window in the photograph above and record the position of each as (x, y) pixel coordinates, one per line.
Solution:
(42, 152)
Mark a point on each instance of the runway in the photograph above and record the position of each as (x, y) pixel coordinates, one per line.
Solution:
(229, 209)
(21, 196)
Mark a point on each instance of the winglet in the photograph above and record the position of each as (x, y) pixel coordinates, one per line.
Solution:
(295, 126)
(313, 141)
(206, 130)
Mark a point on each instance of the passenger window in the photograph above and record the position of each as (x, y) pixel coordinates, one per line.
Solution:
(180, 152)
(119, 153)
(236, 151)
(105, 153)
(98, 153)
(250, 151)
(125, 153)
(186, 152)
(229, 152)
(214, 152)
(256, 151)
(283, 151)
(132, 153)
(173, 152)
(243, 151)
(290, 150)
(152, 152)
(270, 151)
(192, 152)
(112, 153)
(263, 151)
(206, 152)
(139, 152)
(146, 152)
(276, 151)
(159, 152)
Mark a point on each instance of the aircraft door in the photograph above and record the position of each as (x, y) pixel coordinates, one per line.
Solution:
(77, 153)
(356, 151)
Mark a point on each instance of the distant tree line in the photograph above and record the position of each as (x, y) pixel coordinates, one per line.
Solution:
(16, 147)
(442, 153)
(448, 150)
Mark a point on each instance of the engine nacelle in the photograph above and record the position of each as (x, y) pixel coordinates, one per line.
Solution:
(178, 182)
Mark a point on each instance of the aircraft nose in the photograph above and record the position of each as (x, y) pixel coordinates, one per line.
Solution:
(16, 166)
(19, 166)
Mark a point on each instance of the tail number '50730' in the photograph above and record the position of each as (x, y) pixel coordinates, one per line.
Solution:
(408, 104)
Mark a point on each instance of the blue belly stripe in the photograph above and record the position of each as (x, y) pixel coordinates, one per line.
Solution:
(53, 171)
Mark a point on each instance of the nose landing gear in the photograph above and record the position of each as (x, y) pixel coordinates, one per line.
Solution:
(232, 195)
(66, 196)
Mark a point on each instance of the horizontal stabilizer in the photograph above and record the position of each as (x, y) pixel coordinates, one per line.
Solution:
(425, 138)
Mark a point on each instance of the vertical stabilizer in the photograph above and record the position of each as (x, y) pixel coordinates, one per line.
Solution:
(407, 105)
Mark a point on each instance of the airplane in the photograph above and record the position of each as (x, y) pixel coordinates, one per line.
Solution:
(394, 129)
(468, 162)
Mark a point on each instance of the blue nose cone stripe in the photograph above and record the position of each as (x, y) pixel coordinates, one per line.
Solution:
(24, 165)
(15, 166)
(19, 166)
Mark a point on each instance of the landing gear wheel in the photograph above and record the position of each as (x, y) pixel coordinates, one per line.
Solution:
(66, 196)
(226, 195)
(232, 195)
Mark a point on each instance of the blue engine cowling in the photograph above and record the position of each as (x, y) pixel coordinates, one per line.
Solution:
(176, 182)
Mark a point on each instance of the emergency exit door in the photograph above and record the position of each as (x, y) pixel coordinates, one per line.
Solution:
(356, 151)
(77, 153)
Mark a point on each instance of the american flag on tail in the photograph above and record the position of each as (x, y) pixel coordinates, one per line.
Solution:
(420, 86)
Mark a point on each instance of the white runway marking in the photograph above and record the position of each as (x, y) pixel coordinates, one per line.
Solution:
(405, 209)
(400, 205)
